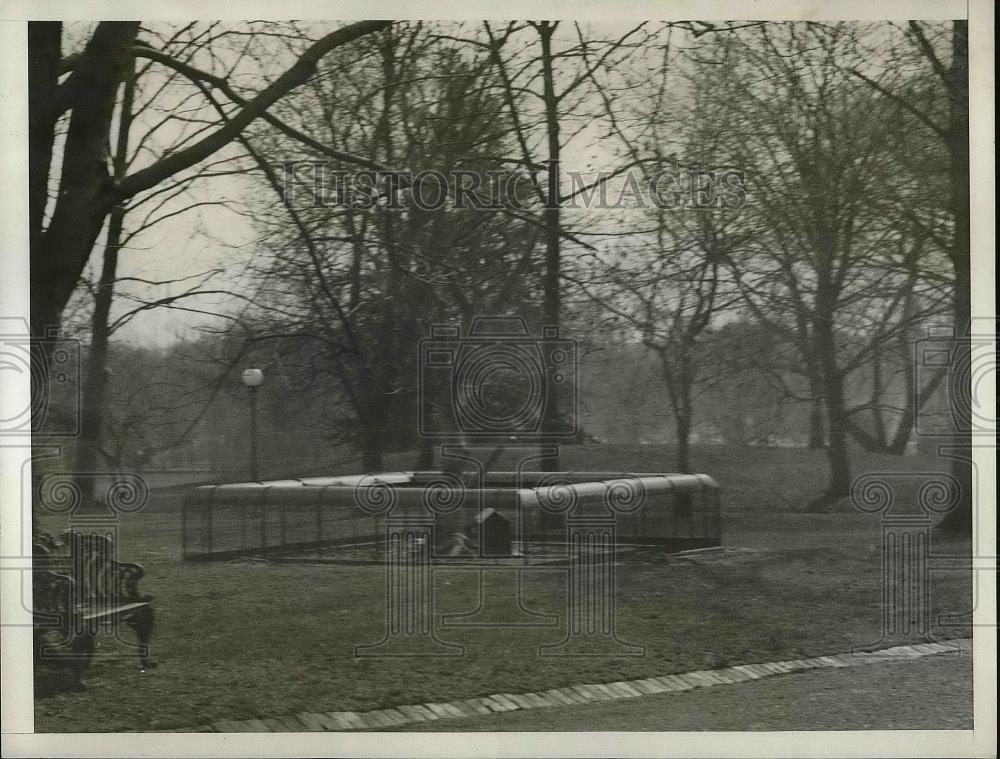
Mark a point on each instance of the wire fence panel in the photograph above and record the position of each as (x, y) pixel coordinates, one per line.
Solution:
(220, 522)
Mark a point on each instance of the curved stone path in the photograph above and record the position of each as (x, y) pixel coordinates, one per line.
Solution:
(400, 716)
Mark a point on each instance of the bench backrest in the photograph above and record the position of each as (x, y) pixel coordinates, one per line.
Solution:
(51, 590)
(90, 560)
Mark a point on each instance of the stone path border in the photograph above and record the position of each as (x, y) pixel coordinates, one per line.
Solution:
(569, 696)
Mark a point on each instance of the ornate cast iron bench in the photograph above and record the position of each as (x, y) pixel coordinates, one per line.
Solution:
(80, 589)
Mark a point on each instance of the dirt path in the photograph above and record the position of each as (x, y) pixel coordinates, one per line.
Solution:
(932, 693)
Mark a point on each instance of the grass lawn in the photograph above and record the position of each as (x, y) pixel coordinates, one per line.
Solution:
(245, 640)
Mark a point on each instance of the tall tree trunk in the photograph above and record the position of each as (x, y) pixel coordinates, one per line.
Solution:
(817, 422)
(683, 416)
(552, 305)
(86, 187)
(44, 56)
(59, 252)
(95, 381)
(960, 518)
(684, 442)
(837, 450)
(685, 408)
(836, 411)
(682, 501)
(381, 380)
(878, 421)
(913, 394)
(373, 421)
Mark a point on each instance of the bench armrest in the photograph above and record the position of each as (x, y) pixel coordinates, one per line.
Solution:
(129, 573)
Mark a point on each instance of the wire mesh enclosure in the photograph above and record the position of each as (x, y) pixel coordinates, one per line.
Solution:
(497, 514)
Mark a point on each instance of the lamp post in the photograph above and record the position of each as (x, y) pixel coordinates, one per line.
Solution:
(253, 378)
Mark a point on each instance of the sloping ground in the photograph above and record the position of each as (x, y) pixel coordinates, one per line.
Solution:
(752, 479)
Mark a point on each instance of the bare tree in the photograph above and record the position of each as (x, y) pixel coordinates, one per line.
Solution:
(146, 105)
(942, 52)
(822, 270)
(62, 241)
(669, 280)
(561, 75)
(362, 277)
